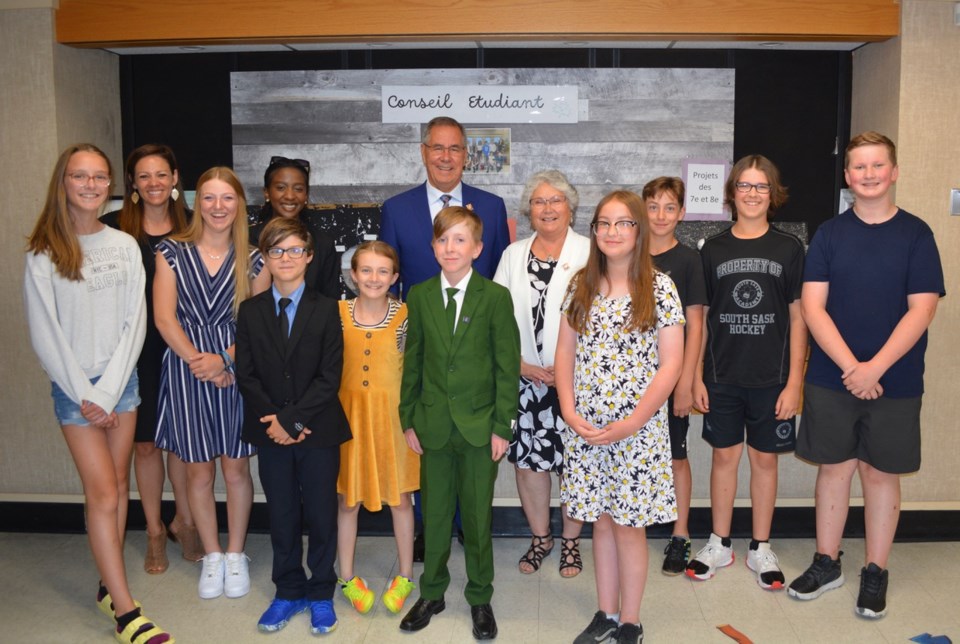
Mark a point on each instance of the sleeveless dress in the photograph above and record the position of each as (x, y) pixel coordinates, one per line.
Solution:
(196, 420)
(376, 466)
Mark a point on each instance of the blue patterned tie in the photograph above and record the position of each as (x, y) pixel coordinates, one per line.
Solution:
(446, 200)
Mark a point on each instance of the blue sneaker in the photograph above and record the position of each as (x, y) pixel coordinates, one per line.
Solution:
(322, 617)
(279, 612)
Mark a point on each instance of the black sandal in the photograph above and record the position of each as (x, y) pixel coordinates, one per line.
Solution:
(535, 553)
(570, 556)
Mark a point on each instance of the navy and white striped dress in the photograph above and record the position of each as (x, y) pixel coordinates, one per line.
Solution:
(197, 421)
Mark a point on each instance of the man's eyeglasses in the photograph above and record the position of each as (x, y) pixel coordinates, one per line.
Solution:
(295, 252)
(762, 188)
(440, 150)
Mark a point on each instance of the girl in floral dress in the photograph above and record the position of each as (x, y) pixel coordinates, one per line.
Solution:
(618, 358)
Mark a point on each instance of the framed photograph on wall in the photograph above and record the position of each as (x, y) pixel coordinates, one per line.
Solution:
(488, 150)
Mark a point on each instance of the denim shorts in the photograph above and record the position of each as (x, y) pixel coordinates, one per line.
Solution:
(68, 412)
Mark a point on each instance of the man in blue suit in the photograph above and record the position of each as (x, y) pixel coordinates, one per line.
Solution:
(407, 218)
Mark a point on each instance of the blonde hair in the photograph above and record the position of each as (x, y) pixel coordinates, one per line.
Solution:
(53, 233)
(453, 215)
(588, 280)
(870, 138)
(240, 234)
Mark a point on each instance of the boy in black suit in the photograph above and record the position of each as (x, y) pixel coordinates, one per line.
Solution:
(289, 361)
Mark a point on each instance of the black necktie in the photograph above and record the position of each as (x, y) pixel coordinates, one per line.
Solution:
(451, 309)
(446, 200)
(284, 321)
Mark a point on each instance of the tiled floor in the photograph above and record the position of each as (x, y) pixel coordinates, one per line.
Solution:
(49, 583)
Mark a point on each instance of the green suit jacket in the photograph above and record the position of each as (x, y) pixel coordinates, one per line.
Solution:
(468, 381)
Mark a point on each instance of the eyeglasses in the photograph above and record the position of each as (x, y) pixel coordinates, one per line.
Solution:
(440, 150)
(553, 202)
(294, 252)
(762, 188)
(622, 225)
(300, 163)
(82, 178)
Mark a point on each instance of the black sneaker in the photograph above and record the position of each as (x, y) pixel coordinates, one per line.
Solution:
(677, 552)
(823, 574)
(872, 601)
(630, 633)
(600, 629)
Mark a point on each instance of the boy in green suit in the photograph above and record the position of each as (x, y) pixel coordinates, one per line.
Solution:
(458, 402)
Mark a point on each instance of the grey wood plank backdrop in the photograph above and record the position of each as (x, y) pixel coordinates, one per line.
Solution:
(634, 125)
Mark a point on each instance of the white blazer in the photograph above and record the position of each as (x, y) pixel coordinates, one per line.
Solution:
(512, 273)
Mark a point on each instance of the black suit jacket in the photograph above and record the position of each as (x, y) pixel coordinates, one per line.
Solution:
(298, 380)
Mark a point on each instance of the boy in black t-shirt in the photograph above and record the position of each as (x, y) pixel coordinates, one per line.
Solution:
(754, 349)
(663, 198)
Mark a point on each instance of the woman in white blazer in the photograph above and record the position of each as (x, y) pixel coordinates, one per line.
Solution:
(537, 271)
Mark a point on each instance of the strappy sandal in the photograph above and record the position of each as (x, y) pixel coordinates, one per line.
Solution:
(189, 540)
(570, 557)
(535, 553)
(105, 604)
(142, 631)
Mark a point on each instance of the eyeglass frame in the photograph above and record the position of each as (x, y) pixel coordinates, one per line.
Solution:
(745, 187)
(621, 225)
(554, 201)
(83, 178)
(437, 149)
(295, 252)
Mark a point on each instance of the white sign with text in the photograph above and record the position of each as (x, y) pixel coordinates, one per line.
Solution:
(480, 103)
(704, 181)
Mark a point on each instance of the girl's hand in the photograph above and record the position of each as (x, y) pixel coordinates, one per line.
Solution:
(584, 430)
(224, 380)
(93, 413)
(615, 431)
(412, 441)
(682, 401)
(206, 366)
(701, 400)
(112, 421)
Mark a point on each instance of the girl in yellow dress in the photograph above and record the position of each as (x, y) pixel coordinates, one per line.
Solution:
(376, 467)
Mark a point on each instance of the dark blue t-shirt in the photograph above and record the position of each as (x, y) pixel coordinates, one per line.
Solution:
(871, 269)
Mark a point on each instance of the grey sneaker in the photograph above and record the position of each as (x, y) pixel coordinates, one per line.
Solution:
(823, 574)
(630, 634)
(872, 601)
(601, 629)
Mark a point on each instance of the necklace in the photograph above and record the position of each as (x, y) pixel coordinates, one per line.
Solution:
(215, 258)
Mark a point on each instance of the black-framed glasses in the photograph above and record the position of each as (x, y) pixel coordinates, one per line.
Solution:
(303, 164)
(622, 225)
(553, 202)
(294, 252)
(761, 188)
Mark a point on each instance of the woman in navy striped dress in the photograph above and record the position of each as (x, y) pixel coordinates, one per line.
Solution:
(202, 276)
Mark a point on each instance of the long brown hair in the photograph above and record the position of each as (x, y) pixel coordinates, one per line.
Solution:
(131, 214)
(640, 274)
(53, 233)
(240, 235)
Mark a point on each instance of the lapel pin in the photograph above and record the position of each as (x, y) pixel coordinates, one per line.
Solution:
(466, 320)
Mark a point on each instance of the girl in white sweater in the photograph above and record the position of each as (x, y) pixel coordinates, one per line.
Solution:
(84, 296)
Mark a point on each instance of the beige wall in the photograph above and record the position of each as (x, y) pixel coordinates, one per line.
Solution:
(53, 96)
(909, 88)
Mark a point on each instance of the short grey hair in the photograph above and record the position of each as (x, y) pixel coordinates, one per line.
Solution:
(556, 180)
(438, 121)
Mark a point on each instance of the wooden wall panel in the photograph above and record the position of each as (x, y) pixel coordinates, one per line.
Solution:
(125, 22)
(635, 124)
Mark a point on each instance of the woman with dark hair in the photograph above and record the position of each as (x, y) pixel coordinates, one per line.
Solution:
(153, 208)
(286, 188)
(83, 293)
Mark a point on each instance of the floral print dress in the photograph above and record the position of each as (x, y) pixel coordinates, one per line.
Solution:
(631, 479)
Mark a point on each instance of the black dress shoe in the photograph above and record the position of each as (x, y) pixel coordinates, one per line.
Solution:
(418, 548)
(484, 623)
(419, 616)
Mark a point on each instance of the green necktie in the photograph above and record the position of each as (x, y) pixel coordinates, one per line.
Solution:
(452, 309)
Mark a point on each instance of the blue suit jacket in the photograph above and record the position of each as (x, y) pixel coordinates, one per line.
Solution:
(405, 224)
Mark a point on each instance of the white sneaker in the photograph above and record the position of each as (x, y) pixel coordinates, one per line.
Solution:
(712, 556)
(236, 582)
(211, 576)
(764, 562)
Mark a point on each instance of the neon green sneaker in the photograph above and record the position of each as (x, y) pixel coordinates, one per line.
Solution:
(398, 592)
(359, 595)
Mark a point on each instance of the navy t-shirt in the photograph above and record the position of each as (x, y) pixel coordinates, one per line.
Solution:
(870, 270)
